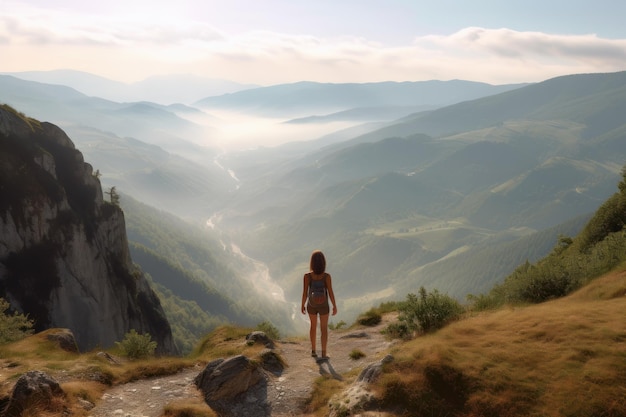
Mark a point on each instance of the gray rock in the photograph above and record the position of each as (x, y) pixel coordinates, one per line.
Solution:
(358, 398)
(372, 371)
(34, 387)
(64, 338)
(234, 387)
(260, 337)
(361, 335)
(272, 362)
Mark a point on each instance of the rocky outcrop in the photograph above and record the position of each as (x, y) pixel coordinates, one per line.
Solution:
(260, 337)
(64, 257)
(64, 338)
(34, 387)
(234, 387)
(358, 398)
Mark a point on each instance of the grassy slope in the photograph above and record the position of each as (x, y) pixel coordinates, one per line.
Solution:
(565, 357)
(561, 358)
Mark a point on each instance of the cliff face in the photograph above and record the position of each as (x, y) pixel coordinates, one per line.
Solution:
(64, 257)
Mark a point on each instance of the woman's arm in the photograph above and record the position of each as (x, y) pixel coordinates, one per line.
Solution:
(331, 294)
(305, 286)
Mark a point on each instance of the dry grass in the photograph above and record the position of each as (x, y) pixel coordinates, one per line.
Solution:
(562, 358)
(323, 390)
(87, 376)
(226, 341)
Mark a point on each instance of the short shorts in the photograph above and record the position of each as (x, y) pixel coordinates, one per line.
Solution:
(322, 310)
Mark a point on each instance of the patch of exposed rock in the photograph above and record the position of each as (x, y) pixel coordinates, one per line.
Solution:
(34, 387)
(64, 338)
(260, 337)
(358, 397)
(234, 387)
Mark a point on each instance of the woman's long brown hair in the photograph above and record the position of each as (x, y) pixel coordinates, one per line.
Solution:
(318, 262)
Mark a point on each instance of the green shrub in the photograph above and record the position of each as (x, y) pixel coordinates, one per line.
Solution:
(483, 302)
(427, 312)
(397, 330)
(136, 346)
(269, 329)
(609, 218)
(540, 287)
(13, 326)
(370, 318)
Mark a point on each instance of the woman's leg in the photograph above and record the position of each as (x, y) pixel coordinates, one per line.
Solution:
(312, 330)
(324, 332)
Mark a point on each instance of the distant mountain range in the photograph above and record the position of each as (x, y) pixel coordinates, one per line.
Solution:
(310, 98)
(393, 204)
(595, 100)
(165, 89)
(450, 197)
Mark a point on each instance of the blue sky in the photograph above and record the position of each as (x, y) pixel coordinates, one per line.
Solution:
(275, 41)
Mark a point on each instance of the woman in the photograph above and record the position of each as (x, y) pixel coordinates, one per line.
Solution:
(317, 288)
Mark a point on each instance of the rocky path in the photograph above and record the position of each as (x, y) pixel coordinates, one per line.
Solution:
(147, 397)
(286, 393)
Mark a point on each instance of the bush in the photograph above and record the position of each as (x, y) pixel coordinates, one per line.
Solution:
(542, 287)
(269, 329)
(370, 318)
(609, 218)
(137, 346)
(397, 330)
(13, 326)
(428, 312)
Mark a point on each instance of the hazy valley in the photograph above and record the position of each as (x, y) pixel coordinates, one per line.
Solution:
(454, 197)
(454, 187)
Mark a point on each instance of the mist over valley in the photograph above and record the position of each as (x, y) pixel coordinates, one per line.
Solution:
(446, 185)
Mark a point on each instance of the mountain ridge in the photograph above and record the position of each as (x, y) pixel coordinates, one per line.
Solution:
(526, 103)
(162, 89)
(288, 98)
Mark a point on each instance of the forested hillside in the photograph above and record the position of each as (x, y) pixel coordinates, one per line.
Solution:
(574, 262)
(547, 340)
(201, 283)
(429, 199)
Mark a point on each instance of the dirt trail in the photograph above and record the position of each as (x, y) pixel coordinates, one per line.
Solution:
(286, 393)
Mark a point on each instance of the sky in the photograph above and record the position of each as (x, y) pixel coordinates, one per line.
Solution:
(268, 42)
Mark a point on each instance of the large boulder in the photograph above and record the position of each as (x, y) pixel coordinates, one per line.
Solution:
(234, 387)
(272, 362)
(64, 338)
(34, 387)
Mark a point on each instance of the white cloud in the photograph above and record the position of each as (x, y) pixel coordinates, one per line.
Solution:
(511, 44)
(136, 46)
